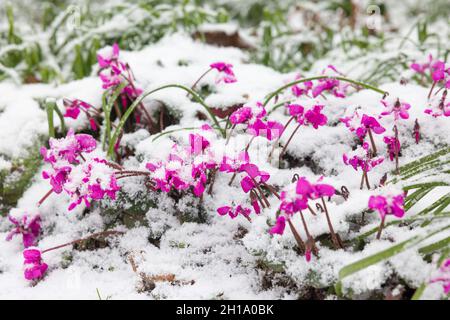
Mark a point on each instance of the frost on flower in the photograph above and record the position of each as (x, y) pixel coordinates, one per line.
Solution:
(34, 267)
(225, 70)
(388, 202)
(438, 106)
(27, 224)
(398, 108)
(92, 180)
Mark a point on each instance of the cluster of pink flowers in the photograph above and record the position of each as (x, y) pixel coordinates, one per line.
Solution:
(35, 268)
(186, 167)
(312, 116)
(393, 146)
(234, 212)
(253, 116)
(225, 70)
(361, 126)
(361, 158)
(113, 72)
(74, 107)
(437, 69)
(443, 276)
(295, 198)
(93, 179)
(27, 224)
(388, 204)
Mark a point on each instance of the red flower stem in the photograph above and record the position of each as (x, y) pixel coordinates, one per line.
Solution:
(278, 140)
(82, 157)
(95, 235)
(45, 197)
(366, 178)
(198, 80)
(431, 90)
(298, 239)
(334, 237)
(397, 171)
(310, 238)
(380, 228)
(213, 180)
(289, 140)
(372, 142)
(260, 192)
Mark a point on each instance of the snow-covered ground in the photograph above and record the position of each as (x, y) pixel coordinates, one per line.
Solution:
(217, 257)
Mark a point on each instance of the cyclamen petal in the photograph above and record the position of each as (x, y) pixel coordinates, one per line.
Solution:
(279, 226)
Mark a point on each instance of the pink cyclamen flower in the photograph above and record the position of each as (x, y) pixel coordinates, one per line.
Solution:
(226, 73)
(35, 268)
(393, 146)
(389, 204)
(268, 129)
(234, 212)
(302, 88)
(361, 158)
(253, 176)
(398, 108)
(315, 117)
(74, 107)
(68, 149)
(443, 276)
(27, 223)
(279, 226)
(297, 111)
(92, 180)
(336, 87)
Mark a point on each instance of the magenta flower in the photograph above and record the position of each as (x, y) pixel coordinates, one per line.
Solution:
(293, 201)
(234, 212)
(301, 88)
(393, 146)
(253, 176)
(336, 87)
(241, 115)
(297, 111)
(279, 226)
(27, 224)
(74, 107)
(68, 149)
(226, 73)
(443, 276)
(233, 164)
(92, 180)
(270, 129)
(398, 108)
(315, 117)
(360, 158)
(35, 268)
(389, 204)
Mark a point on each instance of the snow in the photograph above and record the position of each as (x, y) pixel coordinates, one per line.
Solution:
(215, 259)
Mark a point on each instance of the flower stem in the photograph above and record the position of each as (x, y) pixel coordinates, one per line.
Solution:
(278, 139)
(372, 141)
(45, 197)
(397, 170)
(300, 243)
(336, 241)
(431, 90)
(289, 140)
(290, 84)
(95, 235)
(198, 80)
(380, 228)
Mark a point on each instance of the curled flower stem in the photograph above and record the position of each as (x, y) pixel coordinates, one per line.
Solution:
(311, 210)
(289, 140)
(300, 242)
(290, 84)
(278, 139)
(380, 228)
(336, 241)
(45, 197)
(95, 235)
